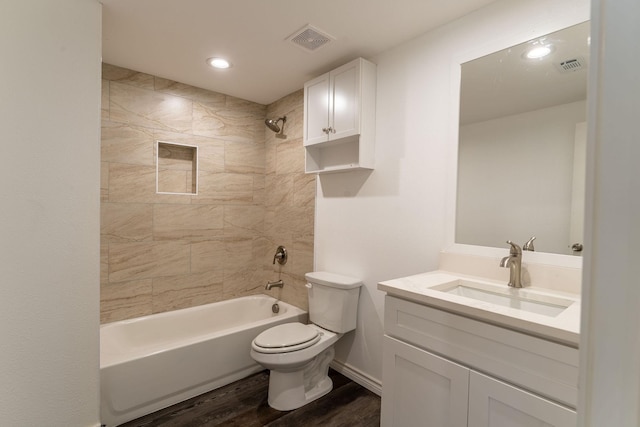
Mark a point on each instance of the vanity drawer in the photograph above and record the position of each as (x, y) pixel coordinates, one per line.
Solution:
(544, 367)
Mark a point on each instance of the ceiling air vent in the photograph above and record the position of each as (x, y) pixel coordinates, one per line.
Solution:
(571, 65)
(310, 38)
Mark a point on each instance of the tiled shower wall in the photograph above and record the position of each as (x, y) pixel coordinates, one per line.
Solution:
(162, 252)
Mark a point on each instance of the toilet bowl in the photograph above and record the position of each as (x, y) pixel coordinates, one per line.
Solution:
(298, 355)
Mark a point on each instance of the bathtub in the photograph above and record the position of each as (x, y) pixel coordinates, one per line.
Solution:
(155, 361)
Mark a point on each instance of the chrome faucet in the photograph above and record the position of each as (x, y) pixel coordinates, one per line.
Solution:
(276, 284)
(514, 262)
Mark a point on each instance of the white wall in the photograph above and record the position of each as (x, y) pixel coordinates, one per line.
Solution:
(49, 220)
(610, 340)
(515, 179)
(391, 222)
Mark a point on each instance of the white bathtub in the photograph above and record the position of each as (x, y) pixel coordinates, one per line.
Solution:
(155, 361)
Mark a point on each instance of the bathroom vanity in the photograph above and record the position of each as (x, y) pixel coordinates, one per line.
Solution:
(467, 351)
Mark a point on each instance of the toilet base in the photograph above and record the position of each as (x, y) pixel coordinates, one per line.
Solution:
(291, 390)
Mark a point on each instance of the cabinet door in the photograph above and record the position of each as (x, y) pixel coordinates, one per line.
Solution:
(316, 110)
(421, 389)
(493, 403)
(344, 96)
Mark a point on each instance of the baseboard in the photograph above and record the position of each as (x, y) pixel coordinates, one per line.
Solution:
(358, 376)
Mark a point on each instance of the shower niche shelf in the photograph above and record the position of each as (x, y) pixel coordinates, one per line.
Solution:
(176, 168)
(339, 119)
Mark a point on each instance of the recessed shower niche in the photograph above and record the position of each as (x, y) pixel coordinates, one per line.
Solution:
(176, 168)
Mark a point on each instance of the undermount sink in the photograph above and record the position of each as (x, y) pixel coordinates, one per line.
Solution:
(520, 299)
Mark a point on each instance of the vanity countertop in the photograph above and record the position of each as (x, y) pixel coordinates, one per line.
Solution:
(434, 289)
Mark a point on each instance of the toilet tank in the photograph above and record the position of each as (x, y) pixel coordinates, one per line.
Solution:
(333, 300)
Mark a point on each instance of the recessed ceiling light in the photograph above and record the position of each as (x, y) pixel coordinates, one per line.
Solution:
(220, 63)
(538, 51)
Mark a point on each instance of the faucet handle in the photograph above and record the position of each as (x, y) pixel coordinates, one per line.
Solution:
(529, 245)
(515, 249)
(280, 256)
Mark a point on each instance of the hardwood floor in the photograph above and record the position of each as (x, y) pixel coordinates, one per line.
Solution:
(244, 404)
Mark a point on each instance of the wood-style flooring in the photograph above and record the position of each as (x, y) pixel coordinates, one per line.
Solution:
(244, 404)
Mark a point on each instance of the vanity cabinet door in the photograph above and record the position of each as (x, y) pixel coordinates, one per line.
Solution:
(422, 389)
(493, 403)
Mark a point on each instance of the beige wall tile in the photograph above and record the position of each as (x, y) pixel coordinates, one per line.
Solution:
(301, 259)
(132, 183)
(286, 105)
(237, 104)
(176, 156)
(176, 292)
(238, 254)
(240, 283)
(259, 195)
(242, 157)
(130, 104)
(104, 182)
(125, 143)
(208, 256)
(304, 190)
(270, 158)
(210, 150)
(224, 188)
(126, 222)
(104, 97)
(180, 89)
(294, 291)
(245, 221)
(131, 261)
(219, 121)
(289, 157)
(175, 181)
(137, 184)
(125, 300)
(104, 262)
(187, 222)
(289, 220)
(129, 77)
(279, 190)
(220, 243)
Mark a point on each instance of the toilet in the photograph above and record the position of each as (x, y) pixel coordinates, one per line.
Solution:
(298, 355)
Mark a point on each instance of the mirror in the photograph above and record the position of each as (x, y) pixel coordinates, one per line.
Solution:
(521, 151)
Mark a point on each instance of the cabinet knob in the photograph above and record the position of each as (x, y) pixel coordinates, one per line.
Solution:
(328, 130)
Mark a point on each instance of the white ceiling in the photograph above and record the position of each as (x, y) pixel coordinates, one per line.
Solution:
(173, 38)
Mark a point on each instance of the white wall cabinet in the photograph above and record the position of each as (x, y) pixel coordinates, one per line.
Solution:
(523, 376)
(339, 119)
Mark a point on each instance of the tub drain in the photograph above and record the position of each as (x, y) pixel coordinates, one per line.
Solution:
(275, 308)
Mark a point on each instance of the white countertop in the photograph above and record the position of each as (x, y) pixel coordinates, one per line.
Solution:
(564, 327)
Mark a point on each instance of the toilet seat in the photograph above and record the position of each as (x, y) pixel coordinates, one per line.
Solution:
(285, 338)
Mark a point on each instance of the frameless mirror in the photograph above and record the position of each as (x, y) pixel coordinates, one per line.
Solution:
(522, 137)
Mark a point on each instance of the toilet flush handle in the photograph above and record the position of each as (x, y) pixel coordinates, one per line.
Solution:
(309, 285)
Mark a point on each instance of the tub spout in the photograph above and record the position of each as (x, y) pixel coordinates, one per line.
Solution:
(276, 284)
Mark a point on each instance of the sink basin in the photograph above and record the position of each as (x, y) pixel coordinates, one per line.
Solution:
(520, 299)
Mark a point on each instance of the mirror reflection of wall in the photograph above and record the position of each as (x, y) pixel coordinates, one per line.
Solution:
(521, 131)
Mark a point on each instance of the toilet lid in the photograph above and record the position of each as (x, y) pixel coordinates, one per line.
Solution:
(287, 337)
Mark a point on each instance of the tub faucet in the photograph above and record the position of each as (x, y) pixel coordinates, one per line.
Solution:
(514, 262)
(276, 284)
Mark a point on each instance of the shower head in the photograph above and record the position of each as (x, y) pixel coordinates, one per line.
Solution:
(273, 125)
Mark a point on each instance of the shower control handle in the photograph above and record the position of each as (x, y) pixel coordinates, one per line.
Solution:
(280, 256)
